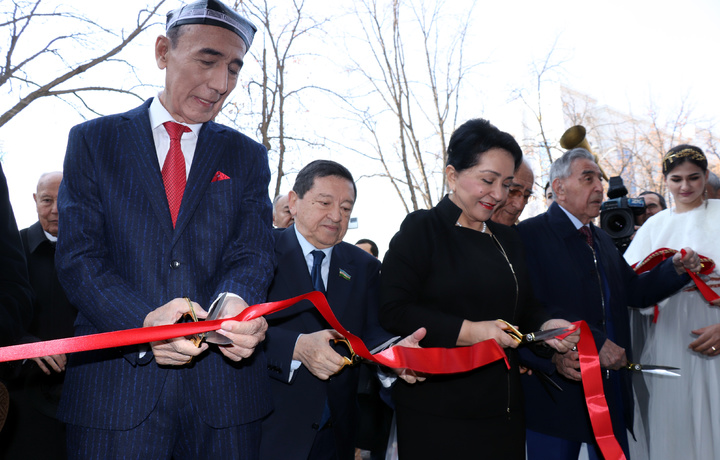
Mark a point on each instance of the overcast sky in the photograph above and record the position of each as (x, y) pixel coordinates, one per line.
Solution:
(621, 53)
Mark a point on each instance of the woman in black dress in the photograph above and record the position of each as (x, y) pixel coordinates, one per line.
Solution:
(453, 271)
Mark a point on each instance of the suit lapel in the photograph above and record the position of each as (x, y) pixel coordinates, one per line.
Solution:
(137, 134)
(572, 242)
(342, 267)
(211, 146)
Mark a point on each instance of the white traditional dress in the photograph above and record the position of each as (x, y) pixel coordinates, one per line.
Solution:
(683, 412)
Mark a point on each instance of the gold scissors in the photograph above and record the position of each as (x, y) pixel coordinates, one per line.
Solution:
(521, 338)
(196, 339)
(353, 359)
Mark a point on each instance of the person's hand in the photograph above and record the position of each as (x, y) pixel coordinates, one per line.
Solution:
(245, 335)
(316, 354)
(54, 362)
(566, 344)
(568, 364)
(472, 332)
(177, 351)
(524, 370)
(691, 261)
(612, 356)
(411, 341)
(708, 342)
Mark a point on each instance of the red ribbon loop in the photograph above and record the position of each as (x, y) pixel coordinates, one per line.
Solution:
(704, 289)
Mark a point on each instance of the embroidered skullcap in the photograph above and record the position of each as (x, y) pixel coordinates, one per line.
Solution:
(214, 13)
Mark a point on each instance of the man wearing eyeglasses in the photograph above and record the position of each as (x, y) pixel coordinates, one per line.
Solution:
(518, 196)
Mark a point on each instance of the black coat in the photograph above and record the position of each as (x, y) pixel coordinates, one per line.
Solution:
(15, 291)
(435, 275)
(53, 315)
(34, 396)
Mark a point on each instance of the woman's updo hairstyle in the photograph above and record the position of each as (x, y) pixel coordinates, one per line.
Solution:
(475, 137)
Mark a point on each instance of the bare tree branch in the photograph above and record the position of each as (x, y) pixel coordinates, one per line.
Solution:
(18, 26)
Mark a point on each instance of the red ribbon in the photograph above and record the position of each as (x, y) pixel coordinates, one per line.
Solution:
(426, 360)
(592, 383)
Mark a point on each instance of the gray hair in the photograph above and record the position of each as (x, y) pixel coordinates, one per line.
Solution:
(562, 167)
(714, 181)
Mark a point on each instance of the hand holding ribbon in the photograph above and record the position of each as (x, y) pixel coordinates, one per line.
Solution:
(704, 289)
(411, 341)
(568, 341)
(686, 260)
(174, 351)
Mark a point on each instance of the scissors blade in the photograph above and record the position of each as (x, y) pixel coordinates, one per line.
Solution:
(215, 312)
(661, 372)
(542, 335)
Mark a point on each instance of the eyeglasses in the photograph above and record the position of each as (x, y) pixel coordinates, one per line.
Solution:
(516, 192)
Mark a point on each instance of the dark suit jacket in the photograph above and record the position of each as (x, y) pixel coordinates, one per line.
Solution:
(119, 258)
(565, 279)
(34, 396)
(53, 315)
(288, 432)
(15, 291)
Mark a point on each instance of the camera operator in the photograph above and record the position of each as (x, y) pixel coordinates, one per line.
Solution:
(654, 203)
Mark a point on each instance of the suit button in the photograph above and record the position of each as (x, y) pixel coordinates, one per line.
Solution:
(174, 264)
(315, 426)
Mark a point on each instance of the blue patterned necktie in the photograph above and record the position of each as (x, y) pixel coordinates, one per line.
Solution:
(316, 273)
(318, 285)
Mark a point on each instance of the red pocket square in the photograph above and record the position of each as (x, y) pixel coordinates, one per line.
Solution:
(219, 176)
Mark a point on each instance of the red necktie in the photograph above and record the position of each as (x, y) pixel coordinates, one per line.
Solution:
(173, 170)
(587, 235)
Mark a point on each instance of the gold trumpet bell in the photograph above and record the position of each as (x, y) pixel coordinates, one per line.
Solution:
(574, 138)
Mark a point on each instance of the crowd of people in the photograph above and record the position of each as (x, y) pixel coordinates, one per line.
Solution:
(161, 215)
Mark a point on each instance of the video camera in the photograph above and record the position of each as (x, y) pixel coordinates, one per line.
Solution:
(618, 215)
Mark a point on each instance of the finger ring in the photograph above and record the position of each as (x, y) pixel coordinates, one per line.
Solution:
(574, 348)
(713, 348)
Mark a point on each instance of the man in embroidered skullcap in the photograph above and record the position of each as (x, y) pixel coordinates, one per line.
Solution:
(163, 211)
(314, 392)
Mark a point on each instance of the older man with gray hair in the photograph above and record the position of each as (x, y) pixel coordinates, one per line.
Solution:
(578, 273)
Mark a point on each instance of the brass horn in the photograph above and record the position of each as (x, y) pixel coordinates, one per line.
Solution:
(574, 138)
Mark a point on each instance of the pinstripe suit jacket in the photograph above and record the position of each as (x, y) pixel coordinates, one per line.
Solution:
(119, 258)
